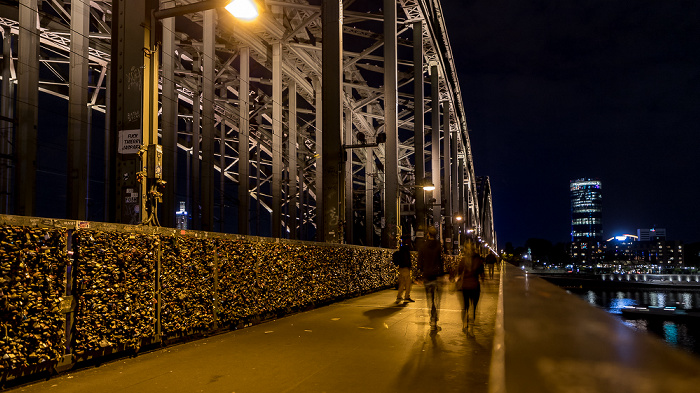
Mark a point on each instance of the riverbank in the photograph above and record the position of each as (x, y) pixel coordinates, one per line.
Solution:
(621, 281)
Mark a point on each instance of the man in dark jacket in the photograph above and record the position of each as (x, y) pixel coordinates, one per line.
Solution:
(431, 266)
(402, 260)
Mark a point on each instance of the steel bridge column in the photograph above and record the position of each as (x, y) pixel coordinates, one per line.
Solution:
(392, 228)
(129, 37)
(369, 197)
(348, 213)
(447, 174)
(149, 110)
(244, 141)
(455, 188)
(27, 108)
(107, 150)
(223, 95)
(169, 123)
(419, 127)
(293, 171)
(473, 204)
(258, 175)
(331, 149)
(189, 130)
(276, 139)
(435, 139)
(460, 197)
(196, 132)
(7, 125)
(319, 158)
(77, 174)
(208, 123)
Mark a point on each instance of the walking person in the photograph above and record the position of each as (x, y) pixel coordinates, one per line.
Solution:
(491, 263)
(432, 269)
(470, 273)
(402, 259)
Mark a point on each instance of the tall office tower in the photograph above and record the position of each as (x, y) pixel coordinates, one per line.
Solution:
(586, 211)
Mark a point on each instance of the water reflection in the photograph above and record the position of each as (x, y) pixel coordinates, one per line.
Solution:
(671, 333)
(680, 334)
(687, 301)
(619, 301)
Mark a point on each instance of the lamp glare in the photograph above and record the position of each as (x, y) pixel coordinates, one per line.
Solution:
(243, 9)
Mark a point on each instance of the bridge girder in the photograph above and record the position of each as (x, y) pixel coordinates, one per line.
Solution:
(297, 27)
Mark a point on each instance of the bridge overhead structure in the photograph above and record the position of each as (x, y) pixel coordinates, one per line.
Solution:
(318, 120)
(486, 231)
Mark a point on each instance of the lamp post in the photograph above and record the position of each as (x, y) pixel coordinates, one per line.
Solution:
(428, 187)
(421, 207)
(459, 220)
(151, 175)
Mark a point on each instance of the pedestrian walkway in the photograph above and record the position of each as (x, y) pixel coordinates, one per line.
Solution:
(366, 344)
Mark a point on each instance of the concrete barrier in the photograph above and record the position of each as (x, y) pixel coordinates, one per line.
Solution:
(550, 341)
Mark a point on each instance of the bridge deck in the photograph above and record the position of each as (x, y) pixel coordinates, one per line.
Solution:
(367, 344)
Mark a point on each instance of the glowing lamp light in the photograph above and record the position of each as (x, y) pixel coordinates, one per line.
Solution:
(243, 9)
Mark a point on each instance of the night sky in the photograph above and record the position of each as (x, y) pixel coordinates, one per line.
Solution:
(561, 90)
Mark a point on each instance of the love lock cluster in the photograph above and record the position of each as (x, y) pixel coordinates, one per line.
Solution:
(187, 282)
(115, 286)
(32, 276)
(118, 287)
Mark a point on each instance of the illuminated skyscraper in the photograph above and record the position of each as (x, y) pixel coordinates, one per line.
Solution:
(181, 217)
(586, 211)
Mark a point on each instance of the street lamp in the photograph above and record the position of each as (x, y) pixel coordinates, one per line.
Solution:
(243, 9)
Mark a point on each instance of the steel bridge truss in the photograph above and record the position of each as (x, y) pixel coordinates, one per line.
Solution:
(262, 81)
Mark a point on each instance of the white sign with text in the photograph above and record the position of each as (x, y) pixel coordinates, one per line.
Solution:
(129, 141)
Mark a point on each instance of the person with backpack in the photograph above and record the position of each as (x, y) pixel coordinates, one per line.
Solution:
(402, 260)
(432, 269)
(491, 261)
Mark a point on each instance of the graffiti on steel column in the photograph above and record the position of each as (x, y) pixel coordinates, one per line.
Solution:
(133, 116)
(333, 216)
(134, 78)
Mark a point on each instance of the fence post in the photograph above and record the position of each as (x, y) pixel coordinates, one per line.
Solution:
(157, 297)
(216, 284)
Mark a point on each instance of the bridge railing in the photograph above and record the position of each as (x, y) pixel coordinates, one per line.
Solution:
(72, 291)
(649, 277)
(547, 340)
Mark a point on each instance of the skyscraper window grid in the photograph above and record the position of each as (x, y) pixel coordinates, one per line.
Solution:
(586, 210)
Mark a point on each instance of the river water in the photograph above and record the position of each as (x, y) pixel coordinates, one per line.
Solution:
(683, 335)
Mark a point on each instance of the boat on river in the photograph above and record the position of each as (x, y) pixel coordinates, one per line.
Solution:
(670, 313)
